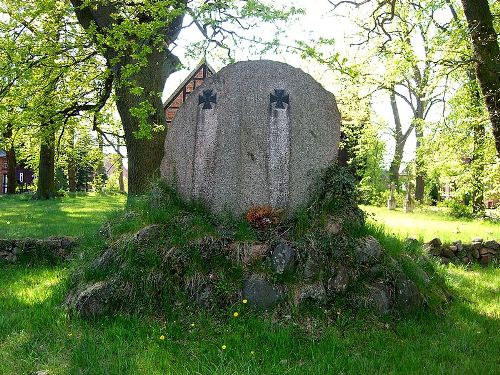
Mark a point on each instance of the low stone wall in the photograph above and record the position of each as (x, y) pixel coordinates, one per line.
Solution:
(478, 250)
(52, 249)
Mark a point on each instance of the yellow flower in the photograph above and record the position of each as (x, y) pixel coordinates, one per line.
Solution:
(223, 347)
(162, 337)
(70, 334)
(192, 324)
(235, 314)
(245, 301)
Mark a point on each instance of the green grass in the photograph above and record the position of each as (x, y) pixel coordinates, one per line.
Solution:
(36, 334)
(425, 224)
(73, 215)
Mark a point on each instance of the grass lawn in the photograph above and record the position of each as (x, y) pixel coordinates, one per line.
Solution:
(73, 215)
(37, 334)
(425, 224)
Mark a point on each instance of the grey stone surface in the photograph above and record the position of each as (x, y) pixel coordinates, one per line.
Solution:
(407, 296)
(368, 250)
(339, 282)
(94, 300)
(379, 299)
(246, 150)
(260, 292)
(283, 258)
(314, 292)
(314, 265)
(492, 244)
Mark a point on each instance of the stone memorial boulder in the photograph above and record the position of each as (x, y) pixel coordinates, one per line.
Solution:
(256, 133)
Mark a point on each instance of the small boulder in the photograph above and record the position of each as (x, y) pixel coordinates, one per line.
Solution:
(492, 244)
(474, 251)
(340, 281)
(333, 226)
(104, 261)
(435, 242)
(94, 300)
(315, 292)
(314, 265)
(449, 251)
(486, 259)
(407, 296)
(149, 234)
(477, 240)
(486, 251)
(459, 245)
(283, 258)
(368, 250)
(379, 299)
(254, 252)
(8, 257)
(411, 242)
(260, 292)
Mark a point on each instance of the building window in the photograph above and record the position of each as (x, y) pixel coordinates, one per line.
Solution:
(5, 165)
(21, 177)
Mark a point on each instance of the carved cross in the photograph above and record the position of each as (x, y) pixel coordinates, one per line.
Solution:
(207, 98)
(279, 97)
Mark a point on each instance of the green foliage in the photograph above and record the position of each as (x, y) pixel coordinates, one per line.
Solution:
(458, 208)
(337, 190)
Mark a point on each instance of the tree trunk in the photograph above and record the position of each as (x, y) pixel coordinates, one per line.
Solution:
(71, 162)
(11, 170)
(477, 163)
(487, 56)
(145, 155)
(121, 183)
(478, 170)
(46, 183)
(400, 140)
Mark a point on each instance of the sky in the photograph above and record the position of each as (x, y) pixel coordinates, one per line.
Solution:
(318, 21)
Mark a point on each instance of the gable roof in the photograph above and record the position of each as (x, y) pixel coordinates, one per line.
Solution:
(194, 79)
(3, 154)
(188, 79)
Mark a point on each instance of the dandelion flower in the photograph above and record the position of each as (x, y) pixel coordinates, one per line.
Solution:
(245, 301)
(223, 347)
(162, 337)
(192, 324)
(235, 314)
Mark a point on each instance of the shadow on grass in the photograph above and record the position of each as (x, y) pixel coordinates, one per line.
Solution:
(36, 334)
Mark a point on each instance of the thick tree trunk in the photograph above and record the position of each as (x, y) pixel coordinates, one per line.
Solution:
(145, 155)
(46, 183)
(487, 55)
(477, 164)
(11, 170)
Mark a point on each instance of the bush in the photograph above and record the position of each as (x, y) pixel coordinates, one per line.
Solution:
(458, 209)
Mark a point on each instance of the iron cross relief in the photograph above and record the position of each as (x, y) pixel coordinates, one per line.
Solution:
(279, 97)
(207, 98)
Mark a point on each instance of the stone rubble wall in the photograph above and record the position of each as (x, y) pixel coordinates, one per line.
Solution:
(478, 251)
(52, 249)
